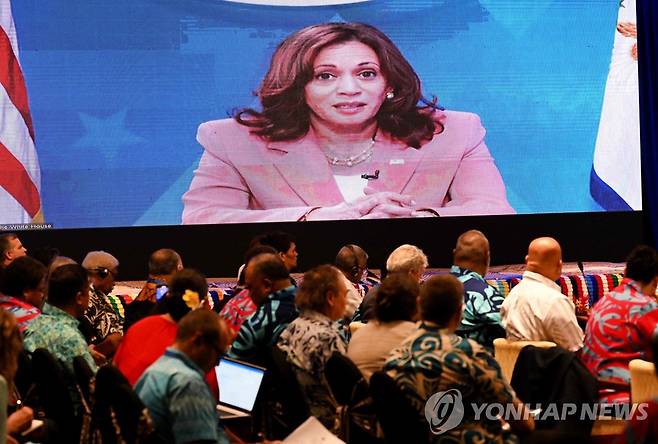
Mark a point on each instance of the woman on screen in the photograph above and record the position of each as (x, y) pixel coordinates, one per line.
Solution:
(341, 135)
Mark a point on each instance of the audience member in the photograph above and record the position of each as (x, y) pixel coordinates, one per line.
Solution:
(270, 289)
(352, 261)
(405, 259)
(147, 340)
(240, 307)
(103, 327)
(45, 254)
(56, 329)
(283, 243)
(173, 389)
(432, 360)
(162, 265)
(396, 311)
(481, 320)
(310, 340)
(23, 290)
(536, 309)
(622, 323)
(11, 343)
(57, 262)
(11, 249)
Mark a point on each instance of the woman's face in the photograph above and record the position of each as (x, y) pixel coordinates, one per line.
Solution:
(347, 88)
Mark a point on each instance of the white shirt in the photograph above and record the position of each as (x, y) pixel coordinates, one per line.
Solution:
(351, 187)
(370, 345)
(354, 298)
(536, 310)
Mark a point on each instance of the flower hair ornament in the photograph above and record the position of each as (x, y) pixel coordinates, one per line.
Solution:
(191, 299)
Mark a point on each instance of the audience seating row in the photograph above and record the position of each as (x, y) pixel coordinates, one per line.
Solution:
(583, 289)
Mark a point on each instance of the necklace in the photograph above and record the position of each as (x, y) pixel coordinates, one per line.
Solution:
(356, 159)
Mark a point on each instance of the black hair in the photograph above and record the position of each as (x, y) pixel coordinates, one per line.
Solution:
(441, 297)
(642, 264)
(186, 279)
(252, 253)
(24, 273)
(278, 240)
(65, 284)
(396, 298)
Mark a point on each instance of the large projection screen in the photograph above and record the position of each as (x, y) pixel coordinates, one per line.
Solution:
(540, 98)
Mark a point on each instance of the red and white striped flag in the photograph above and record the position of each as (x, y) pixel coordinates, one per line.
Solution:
(20, 175)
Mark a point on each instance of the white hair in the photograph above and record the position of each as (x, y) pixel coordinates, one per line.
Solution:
(406, 258)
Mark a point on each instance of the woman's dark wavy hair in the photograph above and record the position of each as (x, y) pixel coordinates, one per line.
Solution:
(285, 114)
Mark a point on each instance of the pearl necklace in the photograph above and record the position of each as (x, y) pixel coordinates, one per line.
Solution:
(351, 160)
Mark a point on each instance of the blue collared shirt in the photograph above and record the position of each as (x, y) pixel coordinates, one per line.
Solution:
(57, 331)
(179, 401)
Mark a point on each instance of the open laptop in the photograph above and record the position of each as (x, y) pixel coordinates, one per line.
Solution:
(239, 383)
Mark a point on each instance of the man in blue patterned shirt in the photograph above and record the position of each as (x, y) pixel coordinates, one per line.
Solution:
(481, 319)
(174, 389)
(268, 281)
(434, 360)
(57, 328)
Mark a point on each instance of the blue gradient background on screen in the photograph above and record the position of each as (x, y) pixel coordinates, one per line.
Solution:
(117, 90)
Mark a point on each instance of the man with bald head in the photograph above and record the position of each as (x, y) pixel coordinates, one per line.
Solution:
(536, 309)
(481, 318)
(163, 264)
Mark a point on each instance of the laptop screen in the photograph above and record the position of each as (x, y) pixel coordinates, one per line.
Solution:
(238, 383)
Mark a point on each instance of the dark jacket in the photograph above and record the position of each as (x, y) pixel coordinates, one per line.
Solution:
(555, 375)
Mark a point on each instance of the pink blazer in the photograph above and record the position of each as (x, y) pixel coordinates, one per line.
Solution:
(242, 178)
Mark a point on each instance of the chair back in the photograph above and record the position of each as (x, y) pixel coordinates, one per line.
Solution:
(352, 393)
(83, 377)
(506, 353)
(118, 412)
(345, 380)
(285, 402)
(24, 379)
(399, 420)
(54, 387)
(644, 383)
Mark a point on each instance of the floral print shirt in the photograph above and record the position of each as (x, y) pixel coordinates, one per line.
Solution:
(308, 342)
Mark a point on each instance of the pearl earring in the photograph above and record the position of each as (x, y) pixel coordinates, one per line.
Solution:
(390, 95)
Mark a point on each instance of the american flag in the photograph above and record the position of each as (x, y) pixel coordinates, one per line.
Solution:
(20, 175)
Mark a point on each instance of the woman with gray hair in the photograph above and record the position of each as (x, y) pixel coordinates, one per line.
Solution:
(310, 340)
(407, 259)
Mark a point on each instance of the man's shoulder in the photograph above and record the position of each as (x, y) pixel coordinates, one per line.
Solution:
(173, 370)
